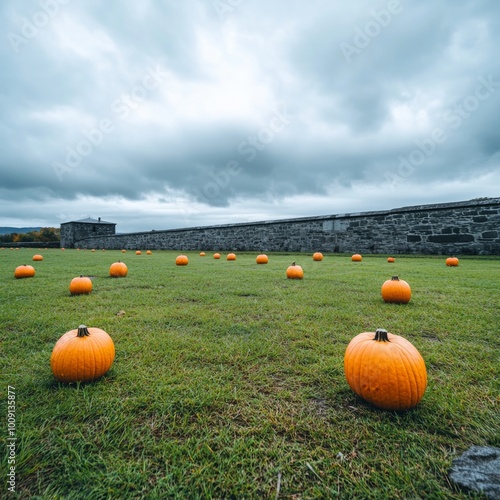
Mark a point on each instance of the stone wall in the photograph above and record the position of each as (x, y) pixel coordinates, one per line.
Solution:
(469, 227)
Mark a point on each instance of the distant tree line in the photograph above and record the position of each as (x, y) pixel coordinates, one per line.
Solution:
(44, 234)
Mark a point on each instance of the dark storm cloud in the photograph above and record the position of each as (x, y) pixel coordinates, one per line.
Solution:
(228, 102)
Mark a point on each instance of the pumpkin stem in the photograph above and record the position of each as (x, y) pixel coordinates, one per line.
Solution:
(381, 335)
(82, 331)
(394, 278)
(293, 263)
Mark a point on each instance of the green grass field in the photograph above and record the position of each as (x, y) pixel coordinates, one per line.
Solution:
(228, 380)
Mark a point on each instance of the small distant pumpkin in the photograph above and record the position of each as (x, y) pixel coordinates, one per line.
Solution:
(317, 256)
(24, 271)
(82, 355)
(118, 270)
(391, 259)
(385, 370)
(181, 260)
(452, 261)
(356, 257)
(149, 252)
(231, 256)
(262, 259)
(80, 285)
(202, 254)
(37, 257)
(396, 291)
(138, 252)
(124, 251)
(294, 272)
(216, 255)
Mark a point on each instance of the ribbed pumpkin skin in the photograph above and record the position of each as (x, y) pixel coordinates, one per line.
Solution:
(294, 272)
(389, 375)
(318, 256)
(356, 257)
(24, 271)
(262, 259)
(80, 285)
(452, 261)
(181, 260)
(118, 270)
(231, 256)
(396, 291)
(82, 359)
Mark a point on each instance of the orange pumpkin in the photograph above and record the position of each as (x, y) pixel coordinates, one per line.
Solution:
(294, 272)
(124, 251)
(391, 259)
(231, 256)
(317, 256)
(37, 257)
(202, 254)
(356, 257)
(24, 271)
(138, 252)
(118, 270)
(181, 260)
(80, 285)
(262, 259)
(149, 252)
(385, 370)
(216, 255)
(93, 250)
(396, 290)
(82, 355)
(452, 261)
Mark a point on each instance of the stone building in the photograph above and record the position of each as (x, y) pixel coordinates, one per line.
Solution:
(73, 231)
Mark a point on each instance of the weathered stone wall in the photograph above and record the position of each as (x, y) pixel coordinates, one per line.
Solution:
(470, 227)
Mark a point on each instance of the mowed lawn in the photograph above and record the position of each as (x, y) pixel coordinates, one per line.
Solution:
(228, 380)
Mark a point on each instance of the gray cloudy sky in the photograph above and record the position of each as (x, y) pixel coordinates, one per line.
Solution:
(162, 114)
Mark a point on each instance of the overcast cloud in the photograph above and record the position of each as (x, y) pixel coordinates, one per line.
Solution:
(162, 114)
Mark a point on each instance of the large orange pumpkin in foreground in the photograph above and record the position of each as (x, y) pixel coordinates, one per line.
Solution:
(118, 270)
(452, 261)
(294, 272)
(80, 285)
(82, 355)
(181, 260)
(24, 271)
(385, 370)
(396, 291)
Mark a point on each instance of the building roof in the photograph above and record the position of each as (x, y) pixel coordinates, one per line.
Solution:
(89, 220)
